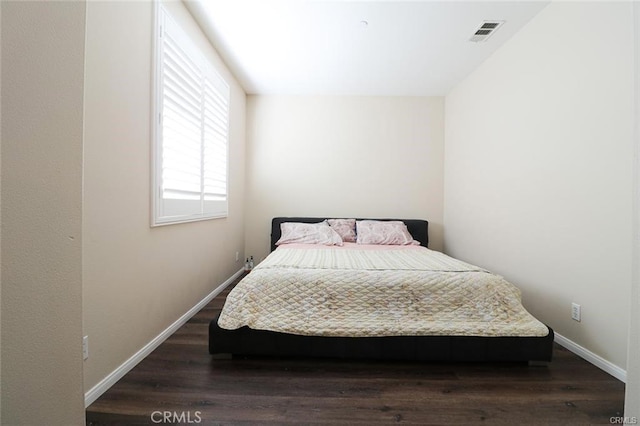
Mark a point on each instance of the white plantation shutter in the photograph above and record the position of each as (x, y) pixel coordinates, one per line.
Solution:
(216, 136)
(192, 131)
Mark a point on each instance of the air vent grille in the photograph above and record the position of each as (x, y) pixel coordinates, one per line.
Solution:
(485, 30)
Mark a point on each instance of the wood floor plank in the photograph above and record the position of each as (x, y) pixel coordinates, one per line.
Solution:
(181, 378)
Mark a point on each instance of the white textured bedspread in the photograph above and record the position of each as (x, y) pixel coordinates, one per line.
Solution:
(363, 293)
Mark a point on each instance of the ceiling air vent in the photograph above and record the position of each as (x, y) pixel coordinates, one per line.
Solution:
(485, 30)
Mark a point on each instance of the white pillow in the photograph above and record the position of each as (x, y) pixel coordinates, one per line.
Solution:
(308, 233)
(383, 232)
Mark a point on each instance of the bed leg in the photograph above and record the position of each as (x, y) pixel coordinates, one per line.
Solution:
(538, 363)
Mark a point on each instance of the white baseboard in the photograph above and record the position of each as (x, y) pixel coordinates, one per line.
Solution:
(94, 393)
(594, 359)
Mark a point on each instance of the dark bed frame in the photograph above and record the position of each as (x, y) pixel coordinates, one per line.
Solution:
(248, 342)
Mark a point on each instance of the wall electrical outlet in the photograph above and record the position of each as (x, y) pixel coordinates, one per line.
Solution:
(575, 312)
(237, 256)
(85, 347)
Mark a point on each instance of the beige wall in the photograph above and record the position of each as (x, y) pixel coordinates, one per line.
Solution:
(0, 213)
(343, 156)
(538, 169)
(138, 280)
(42, 88)
(632, 400)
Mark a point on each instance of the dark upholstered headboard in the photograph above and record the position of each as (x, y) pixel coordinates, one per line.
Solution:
(418, 228)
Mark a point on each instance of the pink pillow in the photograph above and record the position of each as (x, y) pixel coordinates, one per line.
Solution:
(346, 228)
(383, 232)
(308, 233)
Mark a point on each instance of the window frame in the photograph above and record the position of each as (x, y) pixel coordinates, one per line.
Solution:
(163, 212)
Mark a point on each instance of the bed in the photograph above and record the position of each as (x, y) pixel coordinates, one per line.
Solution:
(379, 302)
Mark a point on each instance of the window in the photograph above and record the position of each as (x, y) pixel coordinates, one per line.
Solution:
(191, 130)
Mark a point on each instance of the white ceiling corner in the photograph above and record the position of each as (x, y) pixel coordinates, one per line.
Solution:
(407, 48)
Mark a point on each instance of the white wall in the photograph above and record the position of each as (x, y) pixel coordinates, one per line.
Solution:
(344, 157)
(538, 169)
(42, 89)
(138, 280)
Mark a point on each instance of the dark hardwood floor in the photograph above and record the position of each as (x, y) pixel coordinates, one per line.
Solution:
(180, 383)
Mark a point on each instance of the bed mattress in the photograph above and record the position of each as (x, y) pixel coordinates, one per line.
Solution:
(376, 291)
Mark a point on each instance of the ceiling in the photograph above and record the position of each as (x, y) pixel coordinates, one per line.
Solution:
(391, 48)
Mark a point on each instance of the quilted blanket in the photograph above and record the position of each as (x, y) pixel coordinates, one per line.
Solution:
(366, 293)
